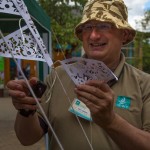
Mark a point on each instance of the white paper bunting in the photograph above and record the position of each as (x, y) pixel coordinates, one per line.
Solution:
(22, 51)
(7, 6)
(21, 48)
(81, 70)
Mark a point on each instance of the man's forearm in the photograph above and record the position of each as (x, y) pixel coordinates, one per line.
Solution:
(28, 129)
(128, 137)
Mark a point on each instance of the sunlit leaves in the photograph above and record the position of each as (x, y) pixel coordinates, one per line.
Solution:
(65, 15)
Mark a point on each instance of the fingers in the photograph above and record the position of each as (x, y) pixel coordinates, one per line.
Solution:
(33, 81)
(99, 84)
(25, 103)
(21, 85)
(93, 107)
(19, 106)
(19, 88)
(25, 100)
(94, 91)
(99, 98)
(16, 85)
(97, 95)
(19, 92)
(88, 94)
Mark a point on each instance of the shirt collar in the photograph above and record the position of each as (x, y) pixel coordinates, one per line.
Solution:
(119, 68)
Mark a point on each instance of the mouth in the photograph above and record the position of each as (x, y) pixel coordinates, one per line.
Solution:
(97, 45)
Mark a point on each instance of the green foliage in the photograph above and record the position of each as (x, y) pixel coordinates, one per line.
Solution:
(142, 42)
(146, 55)
(64, 17)
(146, 21)
(146, 42)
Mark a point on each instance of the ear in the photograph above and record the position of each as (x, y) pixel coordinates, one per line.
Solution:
(126, 34)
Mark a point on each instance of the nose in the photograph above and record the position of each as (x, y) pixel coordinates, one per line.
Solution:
(95, 34)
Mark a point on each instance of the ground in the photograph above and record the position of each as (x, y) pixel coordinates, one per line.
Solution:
(8, 139)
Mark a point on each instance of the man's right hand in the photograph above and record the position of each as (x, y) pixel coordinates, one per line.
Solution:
(21, 97)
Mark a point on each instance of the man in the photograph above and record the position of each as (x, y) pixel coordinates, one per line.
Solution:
(120, 112)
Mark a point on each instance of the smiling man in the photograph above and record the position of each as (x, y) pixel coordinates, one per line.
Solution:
(119, 112)
(104, 29)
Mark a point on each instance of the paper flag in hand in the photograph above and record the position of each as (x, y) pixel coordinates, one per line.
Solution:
(81, 70)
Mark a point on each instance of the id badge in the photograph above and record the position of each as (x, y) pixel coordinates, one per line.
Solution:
(79, 108)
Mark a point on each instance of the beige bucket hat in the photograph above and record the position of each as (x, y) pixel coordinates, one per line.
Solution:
(113, 11)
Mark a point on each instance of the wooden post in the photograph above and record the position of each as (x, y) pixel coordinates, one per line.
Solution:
(6, 70)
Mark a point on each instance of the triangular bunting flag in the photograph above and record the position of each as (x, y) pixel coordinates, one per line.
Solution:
(12, 7)
(22, 46)
(7, 6)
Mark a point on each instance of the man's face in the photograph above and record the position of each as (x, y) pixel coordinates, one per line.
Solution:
(102, 41)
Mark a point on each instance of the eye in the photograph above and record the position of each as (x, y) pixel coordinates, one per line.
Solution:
(104, 26)
(87, 27)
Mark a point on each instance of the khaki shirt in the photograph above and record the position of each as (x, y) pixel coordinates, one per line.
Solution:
(132, 102)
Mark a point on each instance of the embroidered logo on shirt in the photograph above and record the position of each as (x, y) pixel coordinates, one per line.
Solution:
(123, 102)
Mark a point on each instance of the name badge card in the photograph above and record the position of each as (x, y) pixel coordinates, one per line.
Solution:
(79, 108)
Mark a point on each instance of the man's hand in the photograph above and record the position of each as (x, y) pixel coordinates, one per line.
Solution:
(21, 97)
(99, 98)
